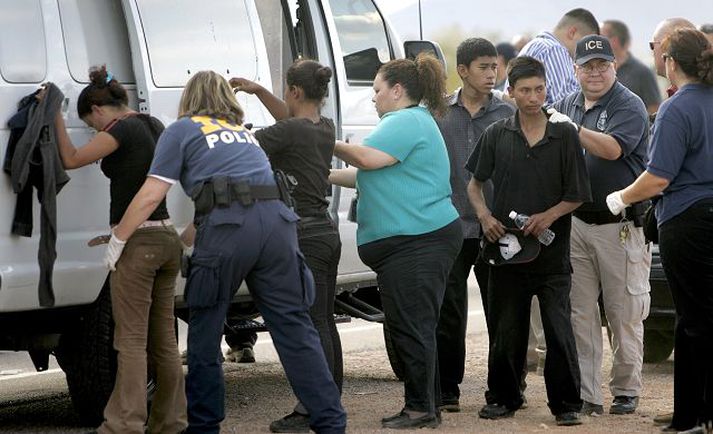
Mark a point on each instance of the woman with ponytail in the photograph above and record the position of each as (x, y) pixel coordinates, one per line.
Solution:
(680, 168)
(409, 232)
(301, 144)
(142, 283)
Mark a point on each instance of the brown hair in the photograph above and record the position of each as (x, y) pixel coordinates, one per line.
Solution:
(423, 79)
(692, 52)
(103, 90)
(311, 76)
(209, 94)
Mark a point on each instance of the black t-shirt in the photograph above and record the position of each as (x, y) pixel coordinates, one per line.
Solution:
(127, 167)
(531, 180)
(303, 149)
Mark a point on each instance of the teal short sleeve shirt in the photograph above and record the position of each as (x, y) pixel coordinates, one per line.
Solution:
(413, 196)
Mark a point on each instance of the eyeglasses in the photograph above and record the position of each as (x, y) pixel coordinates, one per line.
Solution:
(652, 44)
(600, 67)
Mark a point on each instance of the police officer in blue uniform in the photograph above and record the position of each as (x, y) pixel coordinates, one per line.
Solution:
(244, 232)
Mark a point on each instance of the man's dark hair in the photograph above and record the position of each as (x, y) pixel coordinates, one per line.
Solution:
(620, 30)
(579, 17)
(706, 28)
(472, 48)
(525, 67)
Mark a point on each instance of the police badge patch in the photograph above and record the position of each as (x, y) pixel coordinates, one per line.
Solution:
(602, 121)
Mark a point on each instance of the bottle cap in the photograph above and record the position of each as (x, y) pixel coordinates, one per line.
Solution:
(512, 215)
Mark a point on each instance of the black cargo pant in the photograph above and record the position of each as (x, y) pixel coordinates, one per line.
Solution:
(685, 242)
(509, 299)
(411, 272)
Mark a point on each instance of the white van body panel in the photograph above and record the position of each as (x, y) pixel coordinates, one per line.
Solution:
(153, 47)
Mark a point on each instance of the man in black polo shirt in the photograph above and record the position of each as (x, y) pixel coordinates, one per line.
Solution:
(471, 109)
(537, 168)
(609, 254)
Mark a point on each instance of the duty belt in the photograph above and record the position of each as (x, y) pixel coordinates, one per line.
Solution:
(221, 191)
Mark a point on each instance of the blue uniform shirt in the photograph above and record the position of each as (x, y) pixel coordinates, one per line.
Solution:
(622, 115)
(682, 149)
(197, 148)
(413, 196)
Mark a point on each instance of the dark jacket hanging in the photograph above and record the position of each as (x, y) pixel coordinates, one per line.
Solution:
(32, 160)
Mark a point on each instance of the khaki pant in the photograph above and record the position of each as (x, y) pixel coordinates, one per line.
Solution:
(621, 272)
(142, 296)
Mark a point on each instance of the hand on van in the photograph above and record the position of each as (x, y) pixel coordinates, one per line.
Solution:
(276, 107)
(245, 85)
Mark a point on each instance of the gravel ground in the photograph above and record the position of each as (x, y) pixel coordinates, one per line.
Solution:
(257, 394)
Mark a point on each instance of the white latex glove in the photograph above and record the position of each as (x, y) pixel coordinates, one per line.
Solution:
(113, 252)
(557, 117)
(616, 203)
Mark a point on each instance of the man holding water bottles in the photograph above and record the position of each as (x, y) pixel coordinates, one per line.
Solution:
(537, 168)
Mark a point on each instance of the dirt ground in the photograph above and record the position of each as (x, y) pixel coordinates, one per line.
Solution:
(258, 393)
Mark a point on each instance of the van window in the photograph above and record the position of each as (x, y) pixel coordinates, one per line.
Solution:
(95, 34)
(190, 39)
(23, 54)
(362, 35)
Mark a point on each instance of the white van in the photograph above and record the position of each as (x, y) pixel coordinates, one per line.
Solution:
(153, 47)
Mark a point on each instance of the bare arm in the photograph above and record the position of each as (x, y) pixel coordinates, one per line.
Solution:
(99, 147)
(343, 177)
(646, 185)
(141, 207)
(599, 144)
(363, 157)
(537, 223)
(276, 107)
(492, 228)
(188, 236)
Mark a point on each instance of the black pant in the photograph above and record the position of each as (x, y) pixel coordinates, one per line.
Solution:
(453, 319)
(685, 244)
(509, 298)
(412, 272)
(321, 246)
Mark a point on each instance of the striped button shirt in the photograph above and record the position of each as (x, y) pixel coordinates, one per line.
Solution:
(559, 66)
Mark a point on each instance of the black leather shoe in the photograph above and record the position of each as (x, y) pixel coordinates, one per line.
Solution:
(589, 409)
(449, 404)
(404, 421)
(293, 422)
(624, 405)
(569, 418)
(495, 411)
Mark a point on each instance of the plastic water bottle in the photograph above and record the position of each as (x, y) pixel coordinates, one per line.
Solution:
(546, 237)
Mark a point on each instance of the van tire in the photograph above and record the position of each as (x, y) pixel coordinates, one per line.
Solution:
(397, 365)
(87, 356)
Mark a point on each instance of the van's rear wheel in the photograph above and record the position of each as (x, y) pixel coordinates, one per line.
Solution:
(397, 365)
(88, 358)
(658, 345)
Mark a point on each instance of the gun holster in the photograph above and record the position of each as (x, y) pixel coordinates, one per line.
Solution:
(285, 186)
(636, 213)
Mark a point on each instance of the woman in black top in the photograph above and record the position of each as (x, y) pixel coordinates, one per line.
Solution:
(143, 281)
(301, 144)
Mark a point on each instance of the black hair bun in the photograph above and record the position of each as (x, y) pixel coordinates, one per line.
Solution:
(323, 74)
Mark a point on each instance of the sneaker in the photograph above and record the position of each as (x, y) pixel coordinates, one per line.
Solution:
(624, 405)
(293, 422)
(569, 418)
(244, 355)
(449, 404)
(495, 411)
(589, 409)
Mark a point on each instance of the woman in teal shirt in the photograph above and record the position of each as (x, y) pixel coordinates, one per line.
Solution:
(409, 231)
